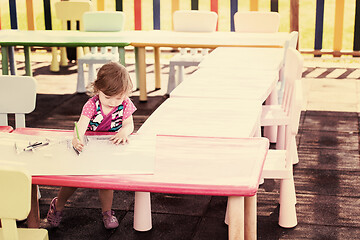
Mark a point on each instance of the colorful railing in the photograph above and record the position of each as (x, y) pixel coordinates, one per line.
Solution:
(334, 25)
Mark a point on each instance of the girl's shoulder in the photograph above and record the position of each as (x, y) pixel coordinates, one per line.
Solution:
(127, 102)
(94, 98)
(92, 101)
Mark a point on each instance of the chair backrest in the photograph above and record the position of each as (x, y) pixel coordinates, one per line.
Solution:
(15, 200)
(194, 21)
(17, 96)
(256, 22)
(295, 120)
(292, 72)
(292, 75)
(293, 40)
(72, 11)
(103, 21)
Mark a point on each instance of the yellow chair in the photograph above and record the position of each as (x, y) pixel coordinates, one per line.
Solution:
(15, 203)
(69, 11)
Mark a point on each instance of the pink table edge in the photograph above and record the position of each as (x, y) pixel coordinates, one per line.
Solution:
(6, 129)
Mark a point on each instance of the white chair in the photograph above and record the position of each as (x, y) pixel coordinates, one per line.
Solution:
(258, 22)
(296, 121)
(189, 21)
(69, 11)
(279, 114)
(15, 204)
(278, 163)
(261, 22)
(101, 21)
(17, 96)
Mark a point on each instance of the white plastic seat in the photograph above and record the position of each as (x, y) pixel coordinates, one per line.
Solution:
(101, 21)
(15, 204)
(189, 21)
(69, 11)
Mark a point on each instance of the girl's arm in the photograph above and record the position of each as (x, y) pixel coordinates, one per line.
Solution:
(124, 132)
(82, 125)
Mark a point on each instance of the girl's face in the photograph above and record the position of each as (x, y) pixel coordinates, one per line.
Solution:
(111, 101)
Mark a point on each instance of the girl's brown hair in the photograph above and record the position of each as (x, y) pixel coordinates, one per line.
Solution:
(113, 79)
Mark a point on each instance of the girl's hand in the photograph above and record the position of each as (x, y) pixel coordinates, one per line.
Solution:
(77, 144)
(118, 138)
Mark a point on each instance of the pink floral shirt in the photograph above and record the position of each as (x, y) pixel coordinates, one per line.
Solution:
(111, 122)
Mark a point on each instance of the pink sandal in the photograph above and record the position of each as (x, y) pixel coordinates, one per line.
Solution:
(109, 219)
(54, 217)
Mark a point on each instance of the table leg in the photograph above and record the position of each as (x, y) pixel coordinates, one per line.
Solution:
(4, 60)
(270, 132)
(12, 60)
(236, 217)
(121, 51)
(258, 130)
(142, 212)
(250, 218)
(63, 57)
(137, 68)
(157, 68)
(28, 70)
(33, 220)
(54, 66)
(141, 70)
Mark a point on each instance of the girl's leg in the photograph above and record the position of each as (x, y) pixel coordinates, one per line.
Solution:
(106, 199)
(109, 219)
(63, 195)
(54, 215)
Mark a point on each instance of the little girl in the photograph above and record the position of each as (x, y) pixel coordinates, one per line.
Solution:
(109, 110)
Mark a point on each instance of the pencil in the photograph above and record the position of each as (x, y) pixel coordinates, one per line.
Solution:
(78, 136)
(77, 130)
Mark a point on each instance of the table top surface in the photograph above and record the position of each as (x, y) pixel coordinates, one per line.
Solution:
(204, 117)
(183, 165)
(247, 58)
(159, 38)
(228, 84)
(60, 38)
(55, 149)
(163, 38)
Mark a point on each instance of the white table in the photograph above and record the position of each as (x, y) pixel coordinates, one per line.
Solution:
(159, 38)
(54, 38)
(184, 165)
(205, 117)
(200, 117)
